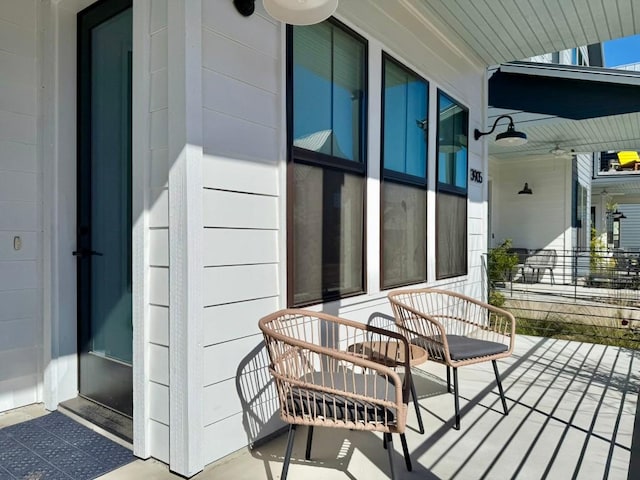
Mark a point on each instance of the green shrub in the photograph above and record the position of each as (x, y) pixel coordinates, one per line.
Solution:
(500, 262)
(496, 298)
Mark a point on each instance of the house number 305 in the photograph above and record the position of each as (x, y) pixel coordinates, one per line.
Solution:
(476, 176)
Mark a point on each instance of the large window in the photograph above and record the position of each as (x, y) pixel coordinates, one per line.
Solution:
(326, 179)
(451, 193)
(404, 173)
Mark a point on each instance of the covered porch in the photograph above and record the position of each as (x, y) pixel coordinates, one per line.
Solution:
(573, 409)
(572, 415)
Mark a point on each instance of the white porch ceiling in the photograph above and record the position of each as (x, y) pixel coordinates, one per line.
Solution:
(500, 31)
(544, 132)
(547, 132)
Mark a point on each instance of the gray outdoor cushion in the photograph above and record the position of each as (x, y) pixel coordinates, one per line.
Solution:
(325, 405)
(461, 348)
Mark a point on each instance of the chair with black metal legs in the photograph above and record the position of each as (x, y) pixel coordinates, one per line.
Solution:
(455, 330)
(326, 375)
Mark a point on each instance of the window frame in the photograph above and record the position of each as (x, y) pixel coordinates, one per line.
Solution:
(399, 178)
(324, 161)
(449, 189)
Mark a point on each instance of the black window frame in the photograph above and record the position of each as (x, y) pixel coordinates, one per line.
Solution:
(297, 155)
(392, 176)
(449, 189)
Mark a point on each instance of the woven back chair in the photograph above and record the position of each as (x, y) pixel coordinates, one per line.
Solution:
(332, 372)
(456, 330)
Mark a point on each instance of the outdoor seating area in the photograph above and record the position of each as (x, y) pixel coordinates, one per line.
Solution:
(333, 372)
(532, 263)
(572, 409)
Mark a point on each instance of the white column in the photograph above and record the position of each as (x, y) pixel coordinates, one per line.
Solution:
(185, 236)
(140, 228)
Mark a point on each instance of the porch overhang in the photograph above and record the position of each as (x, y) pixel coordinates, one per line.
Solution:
(565, 108)
(570, 92)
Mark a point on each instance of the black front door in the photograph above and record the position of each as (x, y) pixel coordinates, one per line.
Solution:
(105, 325)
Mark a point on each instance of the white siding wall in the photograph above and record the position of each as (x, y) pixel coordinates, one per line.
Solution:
(630, 227)
(244, 201)
(20, 270)
(540, 220)
(241, 72)
(158, 320)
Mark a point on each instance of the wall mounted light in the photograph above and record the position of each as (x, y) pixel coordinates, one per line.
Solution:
(293, 12)
(245, 7)
(618, 215)
(525, 190)
(510, 138)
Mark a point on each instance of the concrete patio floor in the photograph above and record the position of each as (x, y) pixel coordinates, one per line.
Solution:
(572, 415)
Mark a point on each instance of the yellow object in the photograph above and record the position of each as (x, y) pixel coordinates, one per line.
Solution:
(628, 157)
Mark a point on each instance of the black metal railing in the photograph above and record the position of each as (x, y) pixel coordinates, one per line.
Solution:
(584, 295)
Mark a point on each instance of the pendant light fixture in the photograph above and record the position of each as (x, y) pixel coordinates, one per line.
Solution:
(300, 12)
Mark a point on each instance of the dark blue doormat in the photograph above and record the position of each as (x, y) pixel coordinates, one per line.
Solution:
(55, 447)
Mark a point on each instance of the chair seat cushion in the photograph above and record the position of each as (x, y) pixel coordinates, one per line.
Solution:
(311, 403)
(463, 348)
(308, 403)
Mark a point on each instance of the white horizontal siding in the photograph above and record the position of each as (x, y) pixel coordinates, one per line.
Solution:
(158, 236)
(239, 283)
(235, 60)
(19, 363)
(159, 364)
(223, 323)
(239, 99)
(249, 176)
(159, 437)
(28, 246)
(159, 175)
(224, 246)
(18, 216)
(230, 429)
(18, 304)
(18, 127)
(19, 275)
(159, 247)
(630, 227)
(227, 135)
(539, 220)
(18, 391)
(159, 325)
(159, 286)
(249, 211)
(159, 46)
(19, 157)
(19, 12)
(243, 172)
(18, 186)
(159, 210)
(159, 402)
(19, 333)
(158, 20)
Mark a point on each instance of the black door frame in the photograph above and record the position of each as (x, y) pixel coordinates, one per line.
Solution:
(120, 374)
